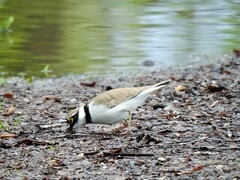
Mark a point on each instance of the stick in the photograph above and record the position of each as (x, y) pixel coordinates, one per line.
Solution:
(126, 154)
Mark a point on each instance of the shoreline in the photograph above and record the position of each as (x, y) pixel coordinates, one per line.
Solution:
(190, 129)
(115, 74)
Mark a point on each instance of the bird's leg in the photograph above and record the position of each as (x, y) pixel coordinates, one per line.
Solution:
(126, 122)
(129, 120)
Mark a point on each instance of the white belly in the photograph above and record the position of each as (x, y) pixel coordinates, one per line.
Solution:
(102, 115)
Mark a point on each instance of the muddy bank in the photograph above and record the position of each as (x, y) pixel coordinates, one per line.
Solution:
(189, 130)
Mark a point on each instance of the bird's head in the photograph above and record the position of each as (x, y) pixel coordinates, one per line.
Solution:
(76, 118)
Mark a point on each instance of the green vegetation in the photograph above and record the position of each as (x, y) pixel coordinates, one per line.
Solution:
(17, 120)
(2, 125)
(6, 24)
(46, 70)
(2, 81)
(53, 148)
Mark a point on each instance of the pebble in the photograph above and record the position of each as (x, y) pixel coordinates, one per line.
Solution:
(156, 106)
(162, 159)
(73, 100)
(238, 115)
(148, 63)
(148, 125)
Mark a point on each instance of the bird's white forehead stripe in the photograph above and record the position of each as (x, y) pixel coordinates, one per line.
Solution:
(72, 113)
(62, 120)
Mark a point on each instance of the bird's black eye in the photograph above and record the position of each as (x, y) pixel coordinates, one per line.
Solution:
(70, 120)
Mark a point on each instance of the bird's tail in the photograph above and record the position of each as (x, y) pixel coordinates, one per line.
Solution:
(156, 87)
(162, 84)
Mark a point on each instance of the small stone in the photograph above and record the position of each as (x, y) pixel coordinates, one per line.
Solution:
(229, 134)
(148, 125)
(74, 100)
(132, 163)
(61, 173)
(162, 159)
(104, 167)
(148, 63)
(156, 106)
(219, 167)
(108, 88)
(169, 107)
(26, 100)
(80, 156)
(238, 115)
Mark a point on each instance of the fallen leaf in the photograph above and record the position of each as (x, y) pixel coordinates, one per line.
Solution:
(146, 139)
(52, 97)
(224, 71)
(10, 111)
(8, 95)
(180, 88)
(29, 142)
(198, 168)
(214, 87)
(6, 136)
(92, 84)
(236, 53)
(56, 162)
(117, 150)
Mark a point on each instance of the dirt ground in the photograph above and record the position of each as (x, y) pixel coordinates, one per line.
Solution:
(188, 130)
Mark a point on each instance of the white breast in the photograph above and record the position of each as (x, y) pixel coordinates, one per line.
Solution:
(102, 115)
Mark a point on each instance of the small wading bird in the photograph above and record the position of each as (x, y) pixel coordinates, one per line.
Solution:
(112, 106)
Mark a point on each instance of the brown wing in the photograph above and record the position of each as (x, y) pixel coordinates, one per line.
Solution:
(116, 96)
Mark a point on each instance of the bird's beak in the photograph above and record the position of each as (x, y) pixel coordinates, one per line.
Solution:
(70, 130)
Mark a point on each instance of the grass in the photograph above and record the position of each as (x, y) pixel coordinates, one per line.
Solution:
(53, 148)
(17, 120)
(46, 70)
(2, 125)
(2, 81)
(6, 24)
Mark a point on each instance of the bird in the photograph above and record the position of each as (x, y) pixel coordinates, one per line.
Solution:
(113, 106)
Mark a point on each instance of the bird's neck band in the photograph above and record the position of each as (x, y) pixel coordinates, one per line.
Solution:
(87, 114)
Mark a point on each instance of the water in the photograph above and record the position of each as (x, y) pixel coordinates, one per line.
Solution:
(92, 36)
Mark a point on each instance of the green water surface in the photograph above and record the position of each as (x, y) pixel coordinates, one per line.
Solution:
(98, 36)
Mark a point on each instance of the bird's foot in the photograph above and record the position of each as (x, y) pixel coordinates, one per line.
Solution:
(127, 132)
(120, 128)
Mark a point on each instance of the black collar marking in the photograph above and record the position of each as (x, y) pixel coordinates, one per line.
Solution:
(87, 114)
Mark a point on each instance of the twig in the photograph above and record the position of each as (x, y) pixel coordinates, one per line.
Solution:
(51, 126)
(126, 154)
(91, 153)
(81, 135)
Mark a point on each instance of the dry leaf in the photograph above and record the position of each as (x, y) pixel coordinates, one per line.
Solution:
(236, 53)
(214, 87)
(92, 84)
(6, 136)
(8, 95)
(180, 88)
(198, 168)
(10, 111)
(52, 97)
